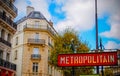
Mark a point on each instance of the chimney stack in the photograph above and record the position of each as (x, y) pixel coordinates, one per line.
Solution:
(29, 10)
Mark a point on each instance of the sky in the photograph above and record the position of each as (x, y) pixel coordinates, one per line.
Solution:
(80, 15)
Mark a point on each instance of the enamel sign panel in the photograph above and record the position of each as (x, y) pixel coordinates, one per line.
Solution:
(88, 59)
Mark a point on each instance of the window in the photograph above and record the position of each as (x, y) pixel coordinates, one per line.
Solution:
(48, 39)
(37, 37)
(1, 54)
(15, 55)
(36, 24)
(35, 67)
(9, 38)
(3, 34)
(48, 55)
(37, 14)
(36, 51)
(7, 56)
(16, 40)
(49, 70)
(4, 15)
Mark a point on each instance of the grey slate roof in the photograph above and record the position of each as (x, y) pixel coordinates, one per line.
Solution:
(36, 14)
(32, 15)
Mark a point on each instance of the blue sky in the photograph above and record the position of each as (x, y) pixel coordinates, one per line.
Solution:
(80, 15)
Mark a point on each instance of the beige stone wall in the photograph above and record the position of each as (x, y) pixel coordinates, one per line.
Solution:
(25, 49)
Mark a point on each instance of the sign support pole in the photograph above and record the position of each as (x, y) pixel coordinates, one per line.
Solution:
(74, 51)
(96, 24)
(101, 51)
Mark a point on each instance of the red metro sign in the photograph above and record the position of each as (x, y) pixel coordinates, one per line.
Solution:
(88, 59)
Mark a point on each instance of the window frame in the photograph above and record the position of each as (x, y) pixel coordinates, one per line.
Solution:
(35, 67)
(15, 54)
(16, 41)
(1, 54)
(36, 50)
(7, 56)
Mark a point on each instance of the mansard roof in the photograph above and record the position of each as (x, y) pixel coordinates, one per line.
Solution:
(32, 15)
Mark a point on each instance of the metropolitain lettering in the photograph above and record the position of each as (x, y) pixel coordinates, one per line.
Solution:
(92, 59)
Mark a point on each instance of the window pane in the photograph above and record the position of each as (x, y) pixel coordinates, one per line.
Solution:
(16, 40)
(3, 34)
(1, 54)
(8, 56)
(37, 14)
(48, 39)
(9, 38)
(15, 55)
(35, 67)
(37, 36)
(36, 51)
(36, 24)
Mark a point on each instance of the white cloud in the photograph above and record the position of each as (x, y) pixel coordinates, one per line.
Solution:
(114, 22)
(115, 26)
(39, 5)
(112, 45)
(79, 15)
(113, 33)
(42, 6)
(20, 4)
(112, 8)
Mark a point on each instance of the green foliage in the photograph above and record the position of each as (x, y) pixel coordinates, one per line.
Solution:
(62, 45)
(108, 72)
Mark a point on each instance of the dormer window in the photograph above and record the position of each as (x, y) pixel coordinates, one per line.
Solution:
(37, 14)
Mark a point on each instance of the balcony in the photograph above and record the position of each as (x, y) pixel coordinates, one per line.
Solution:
(5, 42)
(10, 5)
(36, 41)
(36, 56)
(8, 21)
(7, 64)
(41, 27)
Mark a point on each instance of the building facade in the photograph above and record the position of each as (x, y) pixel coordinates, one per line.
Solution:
(116, 69)
(32, 43)
(7, 29)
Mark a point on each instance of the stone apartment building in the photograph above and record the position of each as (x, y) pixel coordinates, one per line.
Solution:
(31, 45)
(7, 29)
(116, 69)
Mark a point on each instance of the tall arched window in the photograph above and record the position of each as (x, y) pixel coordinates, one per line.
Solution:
(3, 34)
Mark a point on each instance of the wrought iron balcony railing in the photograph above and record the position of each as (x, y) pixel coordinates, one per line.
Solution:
(5, 42)
(8, 20)
(36, 41)
(10, 5)
(7, 64)
(43, 27)
(36, 56)
(35, 74)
